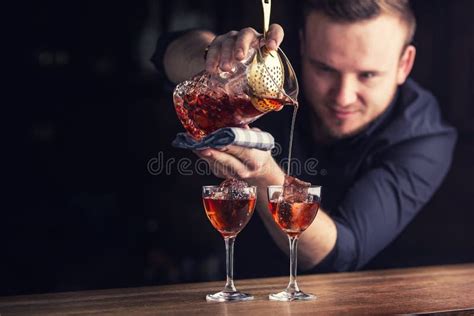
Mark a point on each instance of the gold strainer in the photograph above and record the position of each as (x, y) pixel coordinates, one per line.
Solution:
(266, 74)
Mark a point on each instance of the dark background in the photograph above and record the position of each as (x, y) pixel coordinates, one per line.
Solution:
(82, 209)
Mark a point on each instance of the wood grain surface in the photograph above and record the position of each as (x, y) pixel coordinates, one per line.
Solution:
(436, 289)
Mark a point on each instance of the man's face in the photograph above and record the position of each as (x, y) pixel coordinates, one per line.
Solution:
(351, 70)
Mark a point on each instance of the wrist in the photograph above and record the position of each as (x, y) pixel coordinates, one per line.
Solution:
(183, 57)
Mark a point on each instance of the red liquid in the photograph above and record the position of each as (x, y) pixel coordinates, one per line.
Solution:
(202, 114)
(204, 104)
(229, 217)
(293, 218)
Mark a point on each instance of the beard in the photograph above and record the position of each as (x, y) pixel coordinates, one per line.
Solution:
(327, 133)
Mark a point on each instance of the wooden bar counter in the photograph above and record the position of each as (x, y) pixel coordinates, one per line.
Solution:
(437, 289)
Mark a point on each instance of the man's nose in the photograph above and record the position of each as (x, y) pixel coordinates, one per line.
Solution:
(345, 92)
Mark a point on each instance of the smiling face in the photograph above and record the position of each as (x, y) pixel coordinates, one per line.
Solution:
(351, 71)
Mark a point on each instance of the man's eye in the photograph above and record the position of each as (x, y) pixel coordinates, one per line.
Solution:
(367, 75)
(325, 69)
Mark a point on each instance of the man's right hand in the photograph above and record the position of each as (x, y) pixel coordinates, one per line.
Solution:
(233, 46)
(184, 56)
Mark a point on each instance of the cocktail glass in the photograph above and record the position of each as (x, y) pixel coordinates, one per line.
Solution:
(229, 209)
(293, 213)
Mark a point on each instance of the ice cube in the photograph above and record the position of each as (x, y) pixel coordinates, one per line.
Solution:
(234, 183)
(235, 189)
(275, 196)
(295, 190)
(218, 195)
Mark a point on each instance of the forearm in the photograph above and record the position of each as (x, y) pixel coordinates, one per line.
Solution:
(184, 57)
(317, 241)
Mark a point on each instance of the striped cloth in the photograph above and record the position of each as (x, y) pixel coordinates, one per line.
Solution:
(227, 136)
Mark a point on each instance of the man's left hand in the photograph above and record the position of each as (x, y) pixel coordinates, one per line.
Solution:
(252, 165)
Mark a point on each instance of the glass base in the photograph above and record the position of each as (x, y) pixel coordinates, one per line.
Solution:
(228, 296)
(291, 296)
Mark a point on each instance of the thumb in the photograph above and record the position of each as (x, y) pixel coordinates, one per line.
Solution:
(274, 36)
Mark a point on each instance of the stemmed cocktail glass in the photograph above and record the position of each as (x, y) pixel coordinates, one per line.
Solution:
(229, 209)
(293, 212)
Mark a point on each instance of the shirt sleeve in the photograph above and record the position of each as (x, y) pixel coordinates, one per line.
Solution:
(157, 59)
(384, 200)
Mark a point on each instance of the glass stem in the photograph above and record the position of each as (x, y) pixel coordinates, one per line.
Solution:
(229, 263)
(292, 285)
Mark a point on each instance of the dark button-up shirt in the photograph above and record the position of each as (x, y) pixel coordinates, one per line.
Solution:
(374, 183)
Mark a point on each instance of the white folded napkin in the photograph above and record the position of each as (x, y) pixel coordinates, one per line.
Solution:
(227, 136)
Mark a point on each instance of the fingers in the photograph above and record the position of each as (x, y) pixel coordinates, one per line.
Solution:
(247, 38)
(227, 53)
(213, 57)
(252, 159)
(240, 162)
(220, 53)
(229, 164)
(223, 164)
(234, 46)
(246, 126)
(230, 47)
(203, 153)
(274, 36)
(216, 169)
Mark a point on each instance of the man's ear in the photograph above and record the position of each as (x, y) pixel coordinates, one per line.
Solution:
(406, 64)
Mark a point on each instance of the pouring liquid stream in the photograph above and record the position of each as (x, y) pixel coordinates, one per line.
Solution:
(292, 129)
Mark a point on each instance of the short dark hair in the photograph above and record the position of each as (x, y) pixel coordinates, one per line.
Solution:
(359, 10)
